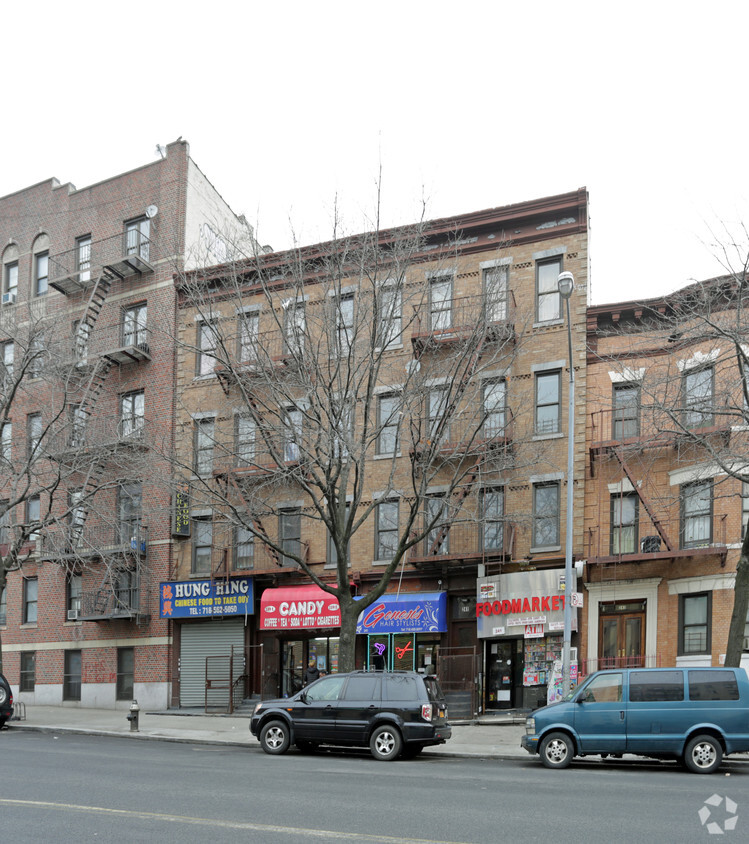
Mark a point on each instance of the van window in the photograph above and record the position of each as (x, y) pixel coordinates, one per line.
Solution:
(400, 687)
(362, 687)
(607, 688)
(713, 685)
(648, 686)
(433, 688)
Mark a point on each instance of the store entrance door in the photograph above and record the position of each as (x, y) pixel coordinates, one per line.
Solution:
(621, 635)
(501, 669)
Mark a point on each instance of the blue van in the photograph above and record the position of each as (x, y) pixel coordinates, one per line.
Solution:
(696, 715)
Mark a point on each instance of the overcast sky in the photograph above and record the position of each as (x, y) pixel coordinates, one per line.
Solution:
(463, 105)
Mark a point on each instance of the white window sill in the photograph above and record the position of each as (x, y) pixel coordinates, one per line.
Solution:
(556, 436)
(544, 549)
(389, 456)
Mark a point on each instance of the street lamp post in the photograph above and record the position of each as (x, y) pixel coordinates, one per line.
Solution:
(566, 284)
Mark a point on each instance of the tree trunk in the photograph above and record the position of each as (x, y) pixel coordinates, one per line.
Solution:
(347, 643)
(740, 607)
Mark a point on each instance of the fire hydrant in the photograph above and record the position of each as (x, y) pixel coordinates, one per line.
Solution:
(133, 716)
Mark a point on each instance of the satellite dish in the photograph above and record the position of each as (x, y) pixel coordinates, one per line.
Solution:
(151, 211)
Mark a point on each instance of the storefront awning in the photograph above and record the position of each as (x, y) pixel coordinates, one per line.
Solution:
(298, 608)
(409, 612)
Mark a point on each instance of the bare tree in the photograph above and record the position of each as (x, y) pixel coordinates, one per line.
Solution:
(357, 385)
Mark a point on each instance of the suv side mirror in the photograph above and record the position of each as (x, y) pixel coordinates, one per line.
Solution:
(303, 697)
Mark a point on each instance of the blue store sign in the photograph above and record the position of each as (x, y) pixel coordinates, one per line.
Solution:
(419, 612)
(202, 598)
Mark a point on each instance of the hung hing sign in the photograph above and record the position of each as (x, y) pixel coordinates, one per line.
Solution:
(203, 598)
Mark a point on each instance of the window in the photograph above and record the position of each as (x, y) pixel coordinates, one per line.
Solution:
(77, 515)
(696, 514)
(6, 440)
(244, 548)
(8, 354)
(329, 688)
(134, 331)
(4, 523)
(548, 300)
(744, 508)
(548, 403)
(125, 673)
(248, 337)
(27, 677)
(698, 397)
(202, 542)
(626, 417)
(137, 238)
(290, 532)
(37, 356)
(492, 519)
(295, 326)
(344, 319)
(204, 443)
(437, 413)
(386, 530)
(3, 606)
(713, 685)
(440, 302)
(130, 507)
(71, 679)
(207, 344)
(389, 317)
(292, 434)
(81, 333)
(495, 293)
(132, 415)
(694, 623)
(388, 417)
(41, 273)
(74, 591)
(437, 508)
(624, 523)
(126, 590)
(30, 598)
(605, 688)
(652, 686)
(83, 257)
(546, 515)
(494, 397)
(245, 440)
(33, 515)
(78, 420)
(10, 282)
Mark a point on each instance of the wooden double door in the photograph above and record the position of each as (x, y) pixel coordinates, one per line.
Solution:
(621, 635)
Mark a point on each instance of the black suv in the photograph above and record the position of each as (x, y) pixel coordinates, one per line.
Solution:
(395, 714)
(6, 701)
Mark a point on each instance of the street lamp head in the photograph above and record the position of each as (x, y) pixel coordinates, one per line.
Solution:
(566, 284)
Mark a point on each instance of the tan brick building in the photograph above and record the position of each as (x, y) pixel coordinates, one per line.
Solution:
(663, 517)
(87, 338)
(413, 382)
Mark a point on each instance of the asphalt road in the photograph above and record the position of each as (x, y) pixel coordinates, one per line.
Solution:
(83, 788)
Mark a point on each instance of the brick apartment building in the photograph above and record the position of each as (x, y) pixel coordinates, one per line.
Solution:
(463, 339)
(663, 517)
(87, 335)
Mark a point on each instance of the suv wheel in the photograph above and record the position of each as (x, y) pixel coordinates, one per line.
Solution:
(275, 737)
(703, 755)
(3, 694)
(385, 743)
(556, 750)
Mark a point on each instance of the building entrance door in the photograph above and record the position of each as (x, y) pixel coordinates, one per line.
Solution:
(501, 667)
(621, 635)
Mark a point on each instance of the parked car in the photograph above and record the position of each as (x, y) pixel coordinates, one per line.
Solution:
(695, 715)
(394, 714)
(6, 701)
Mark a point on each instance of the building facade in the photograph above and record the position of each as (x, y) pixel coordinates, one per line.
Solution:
(87, 327)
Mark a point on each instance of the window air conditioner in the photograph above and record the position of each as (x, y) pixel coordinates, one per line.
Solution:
(9, 298)
(72, 615)
(650, 544)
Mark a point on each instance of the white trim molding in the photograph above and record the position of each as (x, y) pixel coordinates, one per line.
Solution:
(624, 590)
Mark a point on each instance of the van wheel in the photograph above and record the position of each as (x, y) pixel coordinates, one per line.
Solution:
(385, 743)
(556, 750)
(703, 754)
(275, 738)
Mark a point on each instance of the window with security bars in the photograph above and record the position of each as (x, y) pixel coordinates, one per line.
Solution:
(694, 623)
(134, 331)
(132, 415)
(138, 238)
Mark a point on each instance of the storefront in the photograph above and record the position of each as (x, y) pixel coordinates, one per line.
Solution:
(212, 631)
(404, 631)
(306, 620)
(520, 618)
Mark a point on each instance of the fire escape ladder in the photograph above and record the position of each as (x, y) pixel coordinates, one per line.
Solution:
(96, 300)
(256, 522)
(645, 501)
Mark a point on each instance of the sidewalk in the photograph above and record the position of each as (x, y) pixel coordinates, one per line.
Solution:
(497, 738)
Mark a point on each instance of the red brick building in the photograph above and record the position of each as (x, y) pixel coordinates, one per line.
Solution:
(87, 328)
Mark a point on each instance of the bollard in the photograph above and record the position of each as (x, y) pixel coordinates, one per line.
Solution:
(133, 716)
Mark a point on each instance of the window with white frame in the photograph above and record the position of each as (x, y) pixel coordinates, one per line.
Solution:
(81, 334)
(440, 302)
(132, 414)
(437, 399)
(696, 514)
(34, 431)
(41, 273)
(292, 434)
(548, 299)
(244, 440)
(437, 509)
(386, 530)
(548, 403)
(492, 518)
(138, 238)
(495, 293)
(83, 257)
(388, 418)
(344, 324)
(6, 442)
(202, 543)
(30, 600)
(10, 281)
(33, 515)
(38, 355)
(134, 320)
(494, 396)
(204, 445)
(389, 316)
(244, 548)
(74, 593)
(76, 515)
(624, 523)
(290, 535)
(698, 389)
(546, 514)
(342, 427)
(207, 345)
(8, 350)
(131, 514)
(695, 612)
(78, 421)
(248, 331)
(626, 416)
